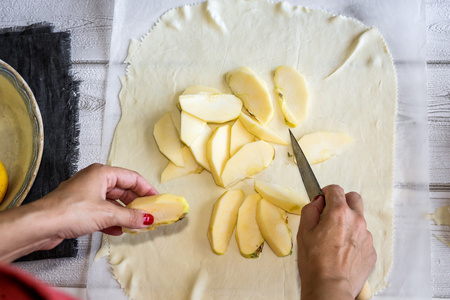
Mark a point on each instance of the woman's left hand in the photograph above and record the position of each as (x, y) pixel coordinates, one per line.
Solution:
(81, 205)
(87, 202)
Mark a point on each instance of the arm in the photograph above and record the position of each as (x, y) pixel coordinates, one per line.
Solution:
(79, 206)
(336, 253)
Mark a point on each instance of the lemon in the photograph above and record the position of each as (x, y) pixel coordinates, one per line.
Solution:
(3, 181)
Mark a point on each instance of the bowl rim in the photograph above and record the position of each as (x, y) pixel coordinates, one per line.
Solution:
(38, 131)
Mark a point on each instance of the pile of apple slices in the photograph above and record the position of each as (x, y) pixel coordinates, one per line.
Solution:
(216, 134)
(237, 148)
(259, 217)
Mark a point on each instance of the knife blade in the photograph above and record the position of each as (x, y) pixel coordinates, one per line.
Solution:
(313, 190)
(312, 186)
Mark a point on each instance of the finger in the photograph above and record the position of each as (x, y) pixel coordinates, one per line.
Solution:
(355, 202)
(126, 196)
(114, 201)
(115, 230)
(129, 180)
(334, 196)
(132, 218)
(311, 215)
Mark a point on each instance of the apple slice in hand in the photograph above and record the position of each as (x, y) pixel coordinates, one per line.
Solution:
(218, 151)
(248, 236)
(282, 196)
(240, 136)
(253, 92)
(198, 148)
(165, 209)
(292, 93)
(190, 166)
(217, 108)
(191, 128)
(274, 226)
(262, 132)
(248, 161)
(223, 220)
(168, 140)
(322, 145)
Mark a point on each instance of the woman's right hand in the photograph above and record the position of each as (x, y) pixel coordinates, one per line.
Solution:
(335, 250)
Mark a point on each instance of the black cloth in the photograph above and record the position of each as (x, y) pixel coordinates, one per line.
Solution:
(43, 58)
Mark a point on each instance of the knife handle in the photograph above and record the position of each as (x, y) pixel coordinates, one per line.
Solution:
(366, 292)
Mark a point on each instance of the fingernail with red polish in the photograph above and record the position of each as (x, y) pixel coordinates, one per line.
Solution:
(148, 219)
(317, 197)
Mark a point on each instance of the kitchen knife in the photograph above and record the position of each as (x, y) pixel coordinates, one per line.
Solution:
(309, 179)
(313, 190)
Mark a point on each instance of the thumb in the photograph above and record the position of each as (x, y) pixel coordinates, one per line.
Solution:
(311, 214)
(133, 218)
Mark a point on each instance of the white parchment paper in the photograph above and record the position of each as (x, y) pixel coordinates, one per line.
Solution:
(402, 24)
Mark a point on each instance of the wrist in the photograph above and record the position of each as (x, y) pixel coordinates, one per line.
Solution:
(41, 217)
(26, 228)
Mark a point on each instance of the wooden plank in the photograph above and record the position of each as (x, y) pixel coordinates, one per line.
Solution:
(438, 88)
(438, 30)
(89, 21)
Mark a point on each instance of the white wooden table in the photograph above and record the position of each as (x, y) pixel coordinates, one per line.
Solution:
(90, 22)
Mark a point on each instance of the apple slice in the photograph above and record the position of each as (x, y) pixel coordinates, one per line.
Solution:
(168, 140)
(218, 151)
(274, 226)
(198, 148)
(248, 236)
(217, 108)
(262, 132)
(191, 128)
(190, 166)
(441, 216)
(248, 161)
(239, 137)
(176, 119)
(253, 92)
(322, 145)
(282, 196)
(292, 93)
(200, 89)
(223, 220)
(165, 209)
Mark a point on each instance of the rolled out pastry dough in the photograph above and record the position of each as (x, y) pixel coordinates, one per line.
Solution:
(352, 86)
